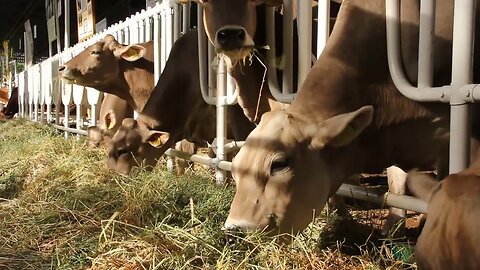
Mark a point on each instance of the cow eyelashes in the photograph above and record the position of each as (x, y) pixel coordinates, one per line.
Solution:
(279, 164)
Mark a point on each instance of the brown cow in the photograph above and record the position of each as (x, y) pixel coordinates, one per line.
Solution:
(231, 27)
(112, 112)
(11, 108)
(450, 237)
(175, 110)
(348, 118)
(114, 68)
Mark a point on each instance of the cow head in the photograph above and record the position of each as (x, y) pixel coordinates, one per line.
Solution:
(231, 25)
(289, 167)
(98, 64)
(101, 134)
(134, 144)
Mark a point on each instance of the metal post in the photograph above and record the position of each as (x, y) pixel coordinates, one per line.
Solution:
(425, 48)
(202, 59)
(186, 17)
(156, 46)
(79, 117)
(271, 72)
(177, 20)
(67, 23)
(220, 175)
(462, 74)
(66, 119)
(395, 61)
(287, 87)
(323, 31)
(163, 25)
(304, 40)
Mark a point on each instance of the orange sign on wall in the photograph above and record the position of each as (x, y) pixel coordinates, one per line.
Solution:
(85, 19)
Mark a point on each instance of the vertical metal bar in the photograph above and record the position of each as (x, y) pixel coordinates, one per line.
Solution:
(148, 29)
(425, 48)
(78, 118)
(163, 58)
(323, 31)
(93, 115)
(186, 17)
(220, 175)
(304, 40)
(67, 23)
(203, 72)
(66, 119)
(287, 87)
(462, 73)
(170, 33)
(156, 46)
(177, 20)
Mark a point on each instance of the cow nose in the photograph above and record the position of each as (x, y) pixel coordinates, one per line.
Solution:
(62, 68)
(233, 234)
(231, 38)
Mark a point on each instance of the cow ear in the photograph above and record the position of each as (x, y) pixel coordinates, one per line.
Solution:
(157, 138)
(110, 120)
(422, 185)
(130, 53)
(271, 3)
(342, 129)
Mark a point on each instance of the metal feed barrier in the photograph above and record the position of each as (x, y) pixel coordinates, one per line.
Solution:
(39, 85)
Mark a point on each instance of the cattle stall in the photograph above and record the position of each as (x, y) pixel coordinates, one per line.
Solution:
(40, 88)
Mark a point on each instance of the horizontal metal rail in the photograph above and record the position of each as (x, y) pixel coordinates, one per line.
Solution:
(387, 199)
(346, 190)
(70, 130)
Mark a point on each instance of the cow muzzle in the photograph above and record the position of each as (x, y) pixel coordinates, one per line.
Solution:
(234, 41)
(67, 74)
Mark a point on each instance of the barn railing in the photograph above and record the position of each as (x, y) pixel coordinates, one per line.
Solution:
(40, 86)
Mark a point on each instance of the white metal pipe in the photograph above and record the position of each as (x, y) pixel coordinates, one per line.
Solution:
(93, 115)
(70, 130)
(170, 33)
(395, 62)
(304, 21)
(177, 21)
(213, 59)
(387, 199)
(156, 46)
(163, 49)
(202, 59)
(323, 24)
(126, 33)
(220, 175)
(79, 116)
(287, 87)
(49, 113)
(271, 54)
(462, 73)
(186, 17)
(148, 29)
(66, 119)
(425, 48)
(232, 91)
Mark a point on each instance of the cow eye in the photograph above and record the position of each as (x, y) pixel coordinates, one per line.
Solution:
(122, 151)
(95, 52)
(279, 164)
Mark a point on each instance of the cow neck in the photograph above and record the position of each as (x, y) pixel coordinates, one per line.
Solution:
(353, 71)
(332, 86)
(254, 94)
